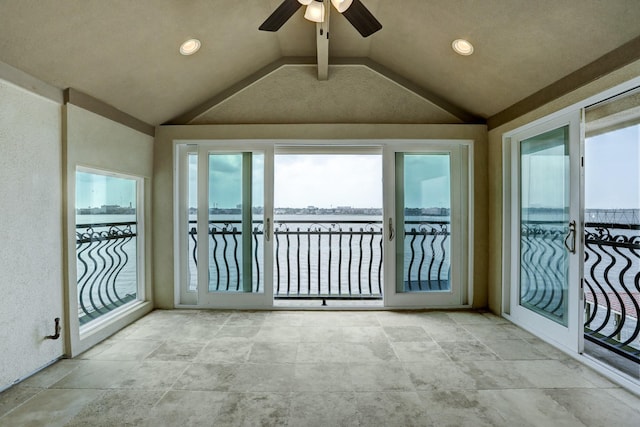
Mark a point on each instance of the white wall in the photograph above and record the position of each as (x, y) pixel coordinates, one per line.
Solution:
(31, 290)
(93, 141)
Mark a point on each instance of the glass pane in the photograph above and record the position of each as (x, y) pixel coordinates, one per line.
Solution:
(544, 204)
(192, 206)
(235, 232)
(424, 217)
(328, 227)
(106, 242)
(612, 245)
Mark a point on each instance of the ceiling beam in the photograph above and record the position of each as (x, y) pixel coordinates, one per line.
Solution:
(322, 45)
(94, 105)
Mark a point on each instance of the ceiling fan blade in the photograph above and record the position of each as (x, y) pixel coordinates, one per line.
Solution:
(362, 19)
(280, 15)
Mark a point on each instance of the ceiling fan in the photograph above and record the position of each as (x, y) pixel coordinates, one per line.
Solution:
(355, 12)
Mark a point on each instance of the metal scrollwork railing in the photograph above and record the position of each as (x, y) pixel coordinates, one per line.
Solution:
(225, 255)
(322, 259)
(340, 260)
(611, 280)
(427, 252)
(106, 268)
(612, 287)
(543, 261)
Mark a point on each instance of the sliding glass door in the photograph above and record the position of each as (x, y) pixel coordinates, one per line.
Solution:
(224, 200)
(407, 244)
(427, 225)
(545, 246)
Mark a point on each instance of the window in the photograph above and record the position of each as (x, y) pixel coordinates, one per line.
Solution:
(108, 243)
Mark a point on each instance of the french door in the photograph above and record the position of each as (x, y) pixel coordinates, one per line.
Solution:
(224, 226)
(545, 248)
(426, 205)
(226, 238)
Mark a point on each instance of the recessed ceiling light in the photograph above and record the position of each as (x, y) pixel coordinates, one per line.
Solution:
(190, 47)
(462, 47)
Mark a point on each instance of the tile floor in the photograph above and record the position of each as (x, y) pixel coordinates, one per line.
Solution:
(193, 368)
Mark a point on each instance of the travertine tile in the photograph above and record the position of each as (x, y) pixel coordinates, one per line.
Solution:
(225, 350)
(457, 408)
(595, 407)
(186, 408)
(440, 376)
(117, 408)
(206, 376)
(514, 349)
(96, 374)
(152, 375)
(389, 376)
(467, 350)
(391, 409)
(176, 351)
(16, 396)
(406, 334)
(419, 351)
(363, 334)
(550, 374)
(51, 374)
(127, 350)
(273, 352)
(322, 409)
(253, 409)
(51, 408)
(322, 377)
(229, 368)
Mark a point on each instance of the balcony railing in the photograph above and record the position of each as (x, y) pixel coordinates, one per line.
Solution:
(323, 259)
(612, 287)
(611, 280)
(339, 260)
(106, 268)
(426, 256)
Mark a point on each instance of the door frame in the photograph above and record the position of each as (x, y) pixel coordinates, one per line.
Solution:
(461, 219)
(570, 338)
(201, 298)
(270, 147)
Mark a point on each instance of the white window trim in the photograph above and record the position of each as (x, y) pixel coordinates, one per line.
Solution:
(83, 338)
(318, 147)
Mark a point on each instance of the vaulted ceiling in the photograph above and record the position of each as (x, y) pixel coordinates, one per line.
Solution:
(125, 52)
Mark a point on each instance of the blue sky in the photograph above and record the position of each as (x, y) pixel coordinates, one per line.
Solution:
(94, 190)
(612, 169)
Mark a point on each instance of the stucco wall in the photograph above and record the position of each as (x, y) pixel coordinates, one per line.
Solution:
(30, 232)
(495, 168)
(93, 141)
(164, 166)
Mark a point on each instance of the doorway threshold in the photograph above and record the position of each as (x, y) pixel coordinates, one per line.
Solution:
(315, 304)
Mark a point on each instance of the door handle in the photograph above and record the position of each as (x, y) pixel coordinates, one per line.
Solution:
(571, 235)
(267, 229)
(391, 231)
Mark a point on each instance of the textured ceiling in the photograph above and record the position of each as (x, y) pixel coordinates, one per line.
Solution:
(354, 94)
(125, 52)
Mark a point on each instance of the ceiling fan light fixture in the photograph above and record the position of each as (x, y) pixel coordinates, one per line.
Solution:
(462, 47)
(341, 5)
(305, 2)
(315, 11)
(190, 47)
